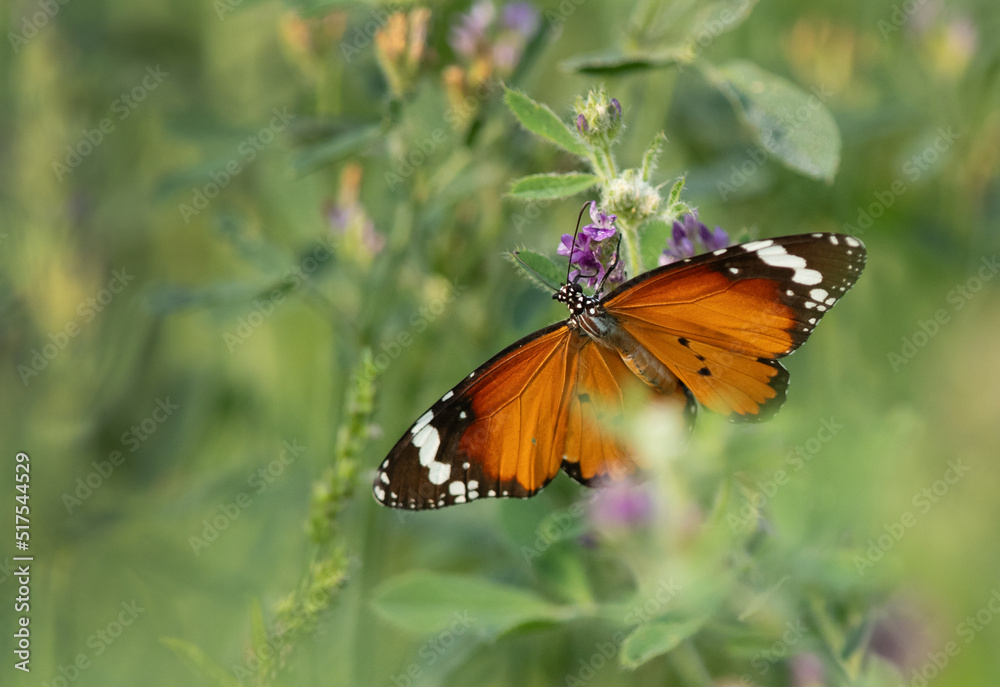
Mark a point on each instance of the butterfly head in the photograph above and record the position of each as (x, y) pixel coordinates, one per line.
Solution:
(578, 303)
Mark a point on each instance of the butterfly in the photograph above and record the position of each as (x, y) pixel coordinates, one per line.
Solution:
(706, 330)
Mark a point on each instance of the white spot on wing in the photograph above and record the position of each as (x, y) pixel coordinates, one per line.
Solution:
(438, 473)
(457, 487)
(383, 478)
(818, 294)
(428, 441)
(834, 241)
(777, 256)
(379, 493)
(447, 395)
(473, 484)
(851, 241)
(758, 245)
(421, 423)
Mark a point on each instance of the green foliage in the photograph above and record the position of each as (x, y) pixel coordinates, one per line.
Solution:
(203, 431)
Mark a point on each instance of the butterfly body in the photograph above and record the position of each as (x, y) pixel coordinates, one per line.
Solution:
(710, 328)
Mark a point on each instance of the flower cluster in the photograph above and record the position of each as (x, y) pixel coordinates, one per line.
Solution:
(478, 36)
(399, 48)
(690, 237)
(592, 250)
(598, 118)
(488, 50)
(350, 224)
(592, 254)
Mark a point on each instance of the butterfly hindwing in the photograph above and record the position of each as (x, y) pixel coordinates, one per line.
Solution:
(719, 321)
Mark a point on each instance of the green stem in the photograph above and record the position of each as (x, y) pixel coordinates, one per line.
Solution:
(630, 242)
(687, 662)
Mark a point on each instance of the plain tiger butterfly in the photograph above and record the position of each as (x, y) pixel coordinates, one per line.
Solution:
(709, 329)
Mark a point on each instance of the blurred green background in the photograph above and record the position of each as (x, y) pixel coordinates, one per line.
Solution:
(208, 211)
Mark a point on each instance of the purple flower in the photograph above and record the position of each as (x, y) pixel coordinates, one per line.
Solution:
(623, 504)
(603, 226)
(690, 237)
(469, 33)
(581, 124)
(586, 254)
(521, 17)
(478, 33)
(807, 670)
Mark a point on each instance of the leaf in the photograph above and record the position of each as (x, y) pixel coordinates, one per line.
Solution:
(789, 123)
(657, 638)
(614, 63)
(200, 662)
(652, 154)
(549, 186)
(542, 121)
(549, 275)
(424, 602)
(673, 34)
(335, 148)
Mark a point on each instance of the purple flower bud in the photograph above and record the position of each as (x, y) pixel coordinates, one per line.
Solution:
(603, 226)
(521, 17)
(617, 106)
(623, 504)
(686, 231)
(581, 124)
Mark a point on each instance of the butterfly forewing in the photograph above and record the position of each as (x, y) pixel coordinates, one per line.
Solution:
(495, 434)
(719, 321)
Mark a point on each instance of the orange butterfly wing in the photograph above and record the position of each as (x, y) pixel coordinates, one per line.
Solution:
(720, 321)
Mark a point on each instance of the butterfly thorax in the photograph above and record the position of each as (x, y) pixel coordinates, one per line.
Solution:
(588, 316)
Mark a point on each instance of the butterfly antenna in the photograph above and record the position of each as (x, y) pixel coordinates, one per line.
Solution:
(539, 277)
(614, 265)
(569, 264)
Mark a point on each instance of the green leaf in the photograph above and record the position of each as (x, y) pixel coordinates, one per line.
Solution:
(652, 154)
(542, 121)
(549, 186)
(786, 121)
(336, 148)
(547, 275)
(424, 602)
(200, 662)
(657, 638)
(615, 62)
